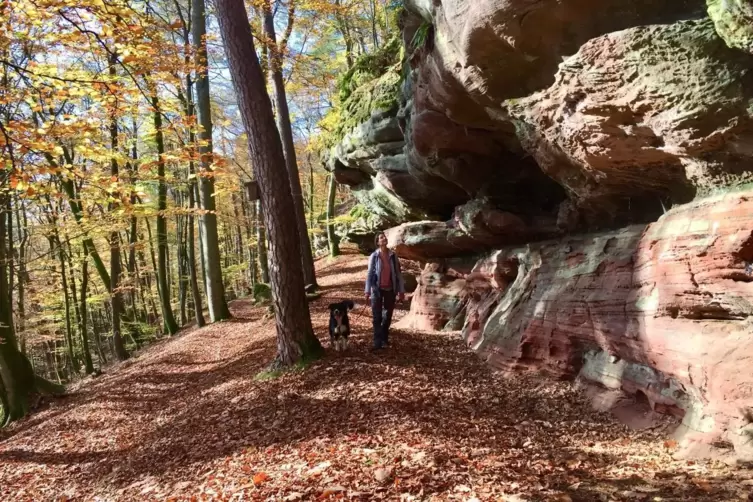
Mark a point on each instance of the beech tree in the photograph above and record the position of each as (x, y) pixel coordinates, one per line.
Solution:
(295, 335)
(218, 309)
(276, 52)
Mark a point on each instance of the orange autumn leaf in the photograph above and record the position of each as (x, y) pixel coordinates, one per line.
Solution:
(670, 444)
(260, 478)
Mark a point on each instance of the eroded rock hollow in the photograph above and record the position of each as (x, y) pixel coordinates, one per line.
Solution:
(576, 178)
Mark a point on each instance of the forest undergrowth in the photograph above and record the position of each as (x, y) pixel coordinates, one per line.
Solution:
(190, 419)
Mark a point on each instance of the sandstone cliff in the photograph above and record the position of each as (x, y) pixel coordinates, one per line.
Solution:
(575, 176)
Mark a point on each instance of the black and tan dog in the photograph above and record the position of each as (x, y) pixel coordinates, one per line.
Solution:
(339, 324)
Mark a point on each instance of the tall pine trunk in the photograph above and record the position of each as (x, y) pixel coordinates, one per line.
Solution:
(288, 146)
(295, 335)
(168, 319)
(218, 309)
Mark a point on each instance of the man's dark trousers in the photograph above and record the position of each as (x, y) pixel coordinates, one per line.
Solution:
(382, 320)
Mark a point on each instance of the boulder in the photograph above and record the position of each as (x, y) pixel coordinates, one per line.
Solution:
(733, 20)
(440, 296)
(663, 311)
(643, 118)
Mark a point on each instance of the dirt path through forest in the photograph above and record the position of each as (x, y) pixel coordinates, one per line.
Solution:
(425, 420)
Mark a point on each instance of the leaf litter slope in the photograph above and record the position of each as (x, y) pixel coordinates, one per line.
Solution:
(425, 420)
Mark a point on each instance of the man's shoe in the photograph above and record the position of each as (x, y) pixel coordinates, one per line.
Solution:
(376, 348)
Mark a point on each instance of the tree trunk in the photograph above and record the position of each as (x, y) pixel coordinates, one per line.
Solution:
(168, 319)
(295, 335)
(344, 28)
(78, 215)
(218, 309)
(88, 364)
(133, 230)
(17, 379)
(22, 276)
(288, 146)
(16, 373)
(198, 308)
(334, 240)
(10, 254)
(55, 242)
(249, 215)
(179, 254)
(116, 295)
(373, 15)
(311, 191)
(261, 243)
(154, 267)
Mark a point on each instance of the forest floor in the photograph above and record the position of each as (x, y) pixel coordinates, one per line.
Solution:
(188, 419)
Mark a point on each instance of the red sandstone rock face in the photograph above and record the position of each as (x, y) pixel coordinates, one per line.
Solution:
(665, 310)
(659, 109)
(439, 297)
(475, 226)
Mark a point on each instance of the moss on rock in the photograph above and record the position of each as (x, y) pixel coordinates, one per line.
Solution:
(733, 20)
(371, 86)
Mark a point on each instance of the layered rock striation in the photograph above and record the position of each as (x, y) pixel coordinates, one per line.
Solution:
(664, 310)
(576, 177)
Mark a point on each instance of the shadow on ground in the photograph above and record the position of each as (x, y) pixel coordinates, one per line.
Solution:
(426, 406)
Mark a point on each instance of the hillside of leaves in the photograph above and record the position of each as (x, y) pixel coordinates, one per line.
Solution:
(195, 418)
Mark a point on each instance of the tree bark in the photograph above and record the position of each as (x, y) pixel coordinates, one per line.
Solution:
(198, 308)
(218, 309)
(344, 28)
(192, 205)
(22, 276)
(332, 238)
(88, 365)
(286, 136)
(311, 191)
(16, 373)
(179, 257)
(261, 244)
(115, 265)
(295, 335)
(249, 215)
(55, 243)
(168, 319)
(77, 210)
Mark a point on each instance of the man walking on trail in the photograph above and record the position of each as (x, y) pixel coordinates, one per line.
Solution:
(384, 281)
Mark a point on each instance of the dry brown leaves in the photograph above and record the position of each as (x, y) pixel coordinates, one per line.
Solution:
(425, 420)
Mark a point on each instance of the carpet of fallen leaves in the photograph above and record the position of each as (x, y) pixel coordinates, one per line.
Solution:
(188, 419)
